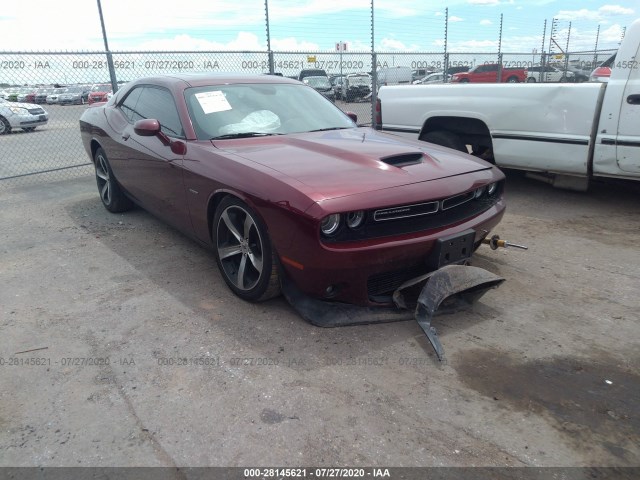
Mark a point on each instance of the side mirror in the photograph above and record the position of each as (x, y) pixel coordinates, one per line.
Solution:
(150, 127)
(353, 117)
(147, 127)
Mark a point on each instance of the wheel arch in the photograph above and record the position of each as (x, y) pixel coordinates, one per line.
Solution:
(217, 197)
(463, 126)
(473, 131)
(94, 145)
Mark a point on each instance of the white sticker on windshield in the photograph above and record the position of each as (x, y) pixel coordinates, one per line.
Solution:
(213, 101)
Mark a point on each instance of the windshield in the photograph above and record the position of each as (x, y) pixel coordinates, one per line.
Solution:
(259, 109)
(360, 80)
(317, 82)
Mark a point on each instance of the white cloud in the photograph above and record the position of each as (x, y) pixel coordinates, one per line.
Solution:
(486, 22)
(242, 41)
(453, 18)
(595, 15)
(292, 44)
(483, 2)
(393, 45)
(611, 34)
(615, 10)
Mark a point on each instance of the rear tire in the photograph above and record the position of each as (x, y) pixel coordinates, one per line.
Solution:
(512, 80)
(531, 80)
(445, 138)
(112, 196)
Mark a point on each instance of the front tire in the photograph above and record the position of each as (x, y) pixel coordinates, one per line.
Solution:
(446, 139)
(531, 80)
(243, 251)
(112, 196)
(512, 80)
(5, 126)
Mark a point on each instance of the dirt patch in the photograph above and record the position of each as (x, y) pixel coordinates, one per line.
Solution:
(592, 401)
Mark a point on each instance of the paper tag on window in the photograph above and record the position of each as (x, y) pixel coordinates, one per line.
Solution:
(213, 101)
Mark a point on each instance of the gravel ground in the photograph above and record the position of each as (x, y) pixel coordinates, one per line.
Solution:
(145, 358)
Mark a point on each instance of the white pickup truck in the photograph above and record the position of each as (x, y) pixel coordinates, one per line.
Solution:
(567, 133)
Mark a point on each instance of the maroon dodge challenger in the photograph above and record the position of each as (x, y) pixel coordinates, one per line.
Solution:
(283, 185)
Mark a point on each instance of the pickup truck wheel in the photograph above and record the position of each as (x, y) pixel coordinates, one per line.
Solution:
(512, 80)
(531, 80)
(446, 139)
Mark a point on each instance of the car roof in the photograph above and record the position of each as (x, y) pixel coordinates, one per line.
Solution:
(203, 79)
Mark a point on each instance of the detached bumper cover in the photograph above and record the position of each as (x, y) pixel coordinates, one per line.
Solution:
(454, 287)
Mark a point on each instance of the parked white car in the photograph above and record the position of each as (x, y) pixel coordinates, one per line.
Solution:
(434, 78)
(26, 116)
(550, 73)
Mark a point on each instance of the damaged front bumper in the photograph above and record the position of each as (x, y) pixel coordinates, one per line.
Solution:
(453, 287)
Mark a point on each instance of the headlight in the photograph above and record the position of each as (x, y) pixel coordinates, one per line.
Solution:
(19, 110)
(478, 193)
(355, 219)
(491, 189)
(330, 224)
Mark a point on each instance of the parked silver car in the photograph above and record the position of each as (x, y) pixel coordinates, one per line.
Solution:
(54, 97)
(74, 95)
(26, 116)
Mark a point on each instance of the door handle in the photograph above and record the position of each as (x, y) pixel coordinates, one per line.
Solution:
(125, 136)
(633, 99)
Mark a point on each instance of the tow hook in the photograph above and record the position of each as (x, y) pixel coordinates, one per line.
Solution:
(495, 242)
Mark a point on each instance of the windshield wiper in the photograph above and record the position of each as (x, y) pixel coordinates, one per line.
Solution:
(244, 135)
(328, 128)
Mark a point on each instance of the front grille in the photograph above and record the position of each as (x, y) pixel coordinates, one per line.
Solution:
(386, 282)
(405, 211)
(36, 111)
(452, 202)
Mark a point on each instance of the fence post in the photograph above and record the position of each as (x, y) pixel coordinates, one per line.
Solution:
(112, 70)
(446, 67)
(595, 50)
(499, 79)
(269, 52)
(374, 89)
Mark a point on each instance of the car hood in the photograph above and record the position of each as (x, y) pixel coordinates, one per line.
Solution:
(20, 105)
(338, 163)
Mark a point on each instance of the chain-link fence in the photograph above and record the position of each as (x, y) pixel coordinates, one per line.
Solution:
(62, 84)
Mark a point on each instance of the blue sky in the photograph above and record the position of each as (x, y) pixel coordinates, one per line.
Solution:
(311, 25)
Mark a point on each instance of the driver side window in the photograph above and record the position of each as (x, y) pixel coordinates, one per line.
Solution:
(153, 102)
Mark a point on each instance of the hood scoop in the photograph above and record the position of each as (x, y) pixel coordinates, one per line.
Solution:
(403, 160)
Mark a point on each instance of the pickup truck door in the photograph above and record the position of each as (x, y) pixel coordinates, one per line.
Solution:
(628, 134)
(488, 74)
